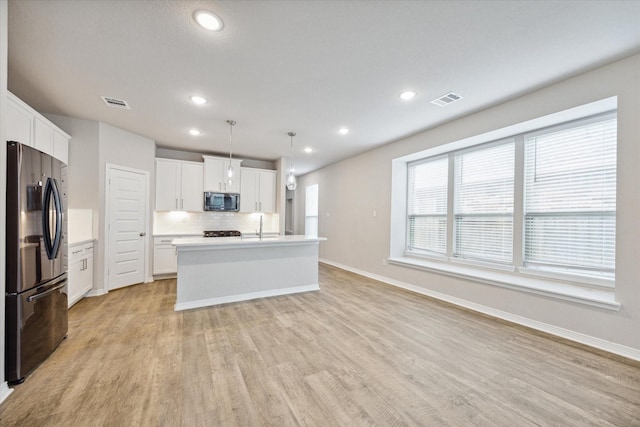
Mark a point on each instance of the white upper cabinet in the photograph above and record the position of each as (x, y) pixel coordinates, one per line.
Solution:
(167, 185)
(60, 147)
(178, 186)
(191, 187)
(19, 122)
(258, 190)
(216, 174)
(27, 126)
(43, 136)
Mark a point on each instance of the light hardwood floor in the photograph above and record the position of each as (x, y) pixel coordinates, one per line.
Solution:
(358, 352)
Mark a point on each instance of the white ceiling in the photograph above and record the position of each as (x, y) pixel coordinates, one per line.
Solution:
(304, 66)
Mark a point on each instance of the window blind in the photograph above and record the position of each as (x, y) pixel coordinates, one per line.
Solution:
(427, 205)
(483, 209)
(570, 197)
(311, 211)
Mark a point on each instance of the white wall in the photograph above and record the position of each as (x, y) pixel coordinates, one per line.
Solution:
(4, 390)
(352, 189)
(93, 145)
(83, 164)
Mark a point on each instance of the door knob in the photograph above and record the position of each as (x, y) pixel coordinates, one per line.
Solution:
(143, 234)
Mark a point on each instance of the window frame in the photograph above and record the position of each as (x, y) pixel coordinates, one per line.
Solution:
(426, 252)
(310, 215)
(517, 266)
(559, 270)
(454, 208)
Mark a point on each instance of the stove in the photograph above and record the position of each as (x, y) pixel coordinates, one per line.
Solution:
(221, 233)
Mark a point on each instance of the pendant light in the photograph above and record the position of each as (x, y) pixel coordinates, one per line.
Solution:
(230, 169)
(291, 180)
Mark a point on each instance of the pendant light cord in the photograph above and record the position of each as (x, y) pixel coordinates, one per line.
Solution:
(291, 134)
(231, 123)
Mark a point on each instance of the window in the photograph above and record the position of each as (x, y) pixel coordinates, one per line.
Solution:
(541, 202)
(428, 205)
(484, 203)
(570, 198)
(311, 211)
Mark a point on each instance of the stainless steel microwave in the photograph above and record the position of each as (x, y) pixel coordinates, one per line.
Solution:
(221, 202)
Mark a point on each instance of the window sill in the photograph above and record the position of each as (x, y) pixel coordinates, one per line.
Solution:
(601, 298)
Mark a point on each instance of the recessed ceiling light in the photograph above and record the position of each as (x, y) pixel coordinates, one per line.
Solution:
(308, 150)
(196, 99)
(208, 20)
(194, 132)
(343, 131)
(407, 95)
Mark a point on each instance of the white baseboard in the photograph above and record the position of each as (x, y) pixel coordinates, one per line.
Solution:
(165, 276)
(244, 297)
(599, 343)
(5, 391)
(96, 293)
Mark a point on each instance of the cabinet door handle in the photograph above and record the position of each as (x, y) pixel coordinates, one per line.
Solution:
(176, 203)
(181, 203)
(143, 234)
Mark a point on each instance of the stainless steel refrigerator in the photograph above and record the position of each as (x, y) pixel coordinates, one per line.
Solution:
(36, 276)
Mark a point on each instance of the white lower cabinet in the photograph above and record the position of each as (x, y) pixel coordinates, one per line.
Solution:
(80, 271)
(165, 257)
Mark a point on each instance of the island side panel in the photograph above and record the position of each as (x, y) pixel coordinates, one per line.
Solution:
(210, 276)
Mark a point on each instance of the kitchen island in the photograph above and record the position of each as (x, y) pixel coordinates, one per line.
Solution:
(214, 271)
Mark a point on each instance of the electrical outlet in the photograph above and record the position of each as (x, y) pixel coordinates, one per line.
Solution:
(384, 261)
(375, 214)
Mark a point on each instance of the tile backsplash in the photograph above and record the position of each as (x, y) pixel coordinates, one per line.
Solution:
(197, 222)
(79, 225)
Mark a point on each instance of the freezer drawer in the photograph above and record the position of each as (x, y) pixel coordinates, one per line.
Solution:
(36, 323)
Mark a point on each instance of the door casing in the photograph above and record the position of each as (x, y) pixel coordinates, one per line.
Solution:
(147, 203)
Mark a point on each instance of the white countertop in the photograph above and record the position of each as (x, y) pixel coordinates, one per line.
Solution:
(176, 234)
(80, 242)
(248, 241)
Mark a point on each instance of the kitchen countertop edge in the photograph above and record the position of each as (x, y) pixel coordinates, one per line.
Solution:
(80, 242)
(227, 242)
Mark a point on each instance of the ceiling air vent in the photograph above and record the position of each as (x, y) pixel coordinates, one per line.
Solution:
(115, 102)
(447, 99)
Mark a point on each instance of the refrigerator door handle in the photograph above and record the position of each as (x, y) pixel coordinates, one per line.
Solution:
(49, 216)
(47, 292)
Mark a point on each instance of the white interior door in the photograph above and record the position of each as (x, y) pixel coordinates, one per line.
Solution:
(127, 224)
